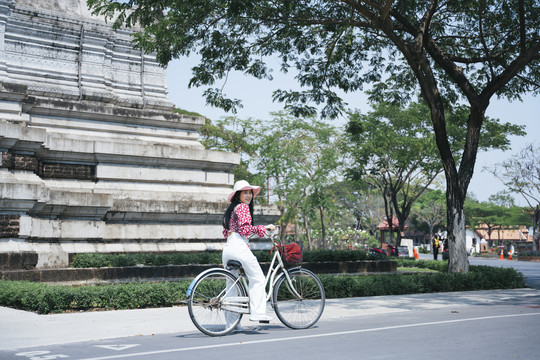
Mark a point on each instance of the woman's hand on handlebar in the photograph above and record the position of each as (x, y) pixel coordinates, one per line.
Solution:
(270, 227)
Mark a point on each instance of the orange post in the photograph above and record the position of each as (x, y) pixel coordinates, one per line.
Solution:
(416, 253)
(502, 256)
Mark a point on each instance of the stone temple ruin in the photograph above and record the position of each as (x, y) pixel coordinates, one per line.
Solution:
(92, 157)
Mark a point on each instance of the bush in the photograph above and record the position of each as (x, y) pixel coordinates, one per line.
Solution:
(441, 266)
(529, 253)
(150, 259)
(478, 278)
(423, 250)
(207, 257)
(45, 298)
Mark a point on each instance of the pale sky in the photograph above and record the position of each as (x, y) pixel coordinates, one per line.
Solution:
(256, 96)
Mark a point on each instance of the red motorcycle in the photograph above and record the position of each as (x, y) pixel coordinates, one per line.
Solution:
(376, 251)
(393, 250)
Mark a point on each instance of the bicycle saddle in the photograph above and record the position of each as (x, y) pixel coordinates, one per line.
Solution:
(234, 265)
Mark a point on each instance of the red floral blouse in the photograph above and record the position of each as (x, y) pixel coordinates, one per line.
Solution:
(241, 223)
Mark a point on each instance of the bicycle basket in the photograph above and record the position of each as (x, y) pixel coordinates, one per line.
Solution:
(291, 253)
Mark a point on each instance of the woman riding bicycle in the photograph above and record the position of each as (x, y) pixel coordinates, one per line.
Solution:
(237, 226)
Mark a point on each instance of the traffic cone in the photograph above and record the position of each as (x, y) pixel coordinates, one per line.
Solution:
(416, 253)
(509, 256)
(502, 256)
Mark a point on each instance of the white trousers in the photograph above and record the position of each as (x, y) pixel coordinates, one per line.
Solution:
(237, 249)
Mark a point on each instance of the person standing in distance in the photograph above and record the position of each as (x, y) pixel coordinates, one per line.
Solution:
(237, 227)
(436, 245)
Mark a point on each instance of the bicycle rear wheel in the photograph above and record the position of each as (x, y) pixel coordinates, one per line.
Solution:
(205, 303)
(302, 312)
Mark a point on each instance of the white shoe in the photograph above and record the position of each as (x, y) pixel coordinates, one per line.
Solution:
(260, 318)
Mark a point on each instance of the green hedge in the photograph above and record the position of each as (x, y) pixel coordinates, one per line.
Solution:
(207, 257)
(441, 266)
(529, 253)
(45, 298)
(478, 278)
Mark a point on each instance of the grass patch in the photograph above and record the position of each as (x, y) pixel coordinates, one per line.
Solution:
(414, 269)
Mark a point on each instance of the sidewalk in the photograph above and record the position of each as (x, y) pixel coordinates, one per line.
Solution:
(21, 329)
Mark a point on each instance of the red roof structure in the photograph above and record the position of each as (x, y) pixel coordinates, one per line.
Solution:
(383, 226)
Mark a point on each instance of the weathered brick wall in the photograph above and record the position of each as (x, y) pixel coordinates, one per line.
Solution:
(67, 171)
(47, 170)
(18, 261)
(19, 162)
(9, 226)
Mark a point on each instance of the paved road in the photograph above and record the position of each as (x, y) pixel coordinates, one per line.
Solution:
(466, 325)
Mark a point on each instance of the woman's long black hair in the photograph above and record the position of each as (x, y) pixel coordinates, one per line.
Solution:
(225, 221)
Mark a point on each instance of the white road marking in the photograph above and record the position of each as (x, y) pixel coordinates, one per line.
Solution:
(117, 347)
(243, 343)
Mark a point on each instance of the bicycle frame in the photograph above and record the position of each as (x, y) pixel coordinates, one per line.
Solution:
(276, 265)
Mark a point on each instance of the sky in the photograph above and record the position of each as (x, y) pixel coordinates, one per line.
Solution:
(256, 96)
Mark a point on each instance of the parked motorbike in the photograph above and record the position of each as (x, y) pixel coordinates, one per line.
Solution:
(376, 250)
(392, 250)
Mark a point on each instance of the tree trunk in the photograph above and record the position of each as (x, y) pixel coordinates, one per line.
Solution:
(306, 226)
(457, 245)
(323, 228)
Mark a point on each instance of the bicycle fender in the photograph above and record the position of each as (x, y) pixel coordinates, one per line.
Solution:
(190, 288)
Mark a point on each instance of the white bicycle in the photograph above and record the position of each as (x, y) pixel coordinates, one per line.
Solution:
(217, 299)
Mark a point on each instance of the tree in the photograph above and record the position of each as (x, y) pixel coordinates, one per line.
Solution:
(521, 174)
(300, 158)
(502, 198)
(393, 150)
(430, 208)
(494, 217)
(447, 50)
(234, 135)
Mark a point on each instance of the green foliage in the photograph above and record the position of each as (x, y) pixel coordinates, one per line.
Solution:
(478, 278)
(441, 266)
(423, 250)
(45, 298)
(529, 253)
(87, 260)
(495, 216)
(392, 150)
(340, 45)
(186, 112)
(430, 209)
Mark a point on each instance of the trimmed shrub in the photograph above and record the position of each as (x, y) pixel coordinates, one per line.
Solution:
(93, 260)
(441, 266)
(45, 298)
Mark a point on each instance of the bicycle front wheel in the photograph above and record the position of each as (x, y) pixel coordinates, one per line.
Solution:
(299, 312)
(205, 303)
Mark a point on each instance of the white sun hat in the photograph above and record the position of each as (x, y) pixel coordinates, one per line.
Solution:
(244, 185)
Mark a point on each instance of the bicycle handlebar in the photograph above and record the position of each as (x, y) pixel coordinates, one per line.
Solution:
(275, 232)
